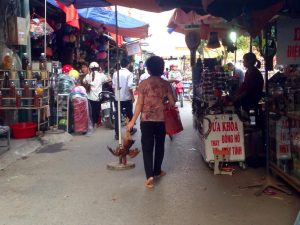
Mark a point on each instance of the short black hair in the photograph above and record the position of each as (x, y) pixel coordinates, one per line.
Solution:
(155, 65)
(124, 62)
(141, 62)
(85, 64)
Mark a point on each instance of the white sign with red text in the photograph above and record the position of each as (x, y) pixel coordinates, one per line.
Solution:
(288, 43)
(227, 133)
(285, 130)
(133, 48)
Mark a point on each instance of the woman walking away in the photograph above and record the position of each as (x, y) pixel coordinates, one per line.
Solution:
(93, 83)
(151, 104)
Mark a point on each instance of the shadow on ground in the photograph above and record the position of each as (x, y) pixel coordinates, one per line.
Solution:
(52, 148)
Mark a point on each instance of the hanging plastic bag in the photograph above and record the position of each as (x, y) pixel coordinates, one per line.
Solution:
(173, 123)
(37, 28)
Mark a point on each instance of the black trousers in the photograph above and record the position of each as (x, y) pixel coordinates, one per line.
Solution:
(127, 108)
(96, 108)
(153, 138)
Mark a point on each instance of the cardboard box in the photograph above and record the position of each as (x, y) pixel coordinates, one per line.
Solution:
(17, 32)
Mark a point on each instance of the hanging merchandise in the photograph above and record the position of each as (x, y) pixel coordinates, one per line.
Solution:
(74, 73)
(37, 28)
(67, 68)
(7, 62)
(213, 41)
(102, 55)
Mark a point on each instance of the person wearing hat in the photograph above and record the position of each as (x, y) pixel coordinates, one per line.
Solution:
(93, 83)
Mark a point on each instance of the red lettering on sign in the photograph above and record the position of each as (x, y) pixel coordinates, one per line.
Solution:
(283, 149)
(228, 149)
(214, 142)
(297, 34)
(230, 126)
(284, 124)
(237, 138)
(216, 127)
(293, 51)
(227, 138)
(236, 150)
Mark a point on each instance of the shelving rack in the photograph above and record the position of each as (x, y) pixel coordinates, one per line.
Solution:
(27, 103)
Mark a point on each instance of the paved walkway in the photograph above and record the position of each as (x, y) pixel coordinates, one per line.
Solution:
(68, 184)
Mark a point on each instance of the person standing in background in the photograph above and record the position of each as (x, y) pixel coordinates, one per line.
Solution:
(84, 71)
(126, 93)
(93, 83)
(141, 70)
(236, 72)
(166, 73)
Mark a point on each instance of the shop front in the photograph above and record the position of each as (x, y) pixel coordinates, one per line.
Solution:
(32, 61)
(285, 104)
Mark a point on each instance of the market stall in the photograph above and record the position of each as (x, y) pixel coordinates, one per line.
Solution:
(284, 91)
(219, 128)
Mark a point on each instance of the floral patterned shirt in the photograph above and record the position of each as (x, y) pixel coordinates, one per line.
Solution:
(154, 90)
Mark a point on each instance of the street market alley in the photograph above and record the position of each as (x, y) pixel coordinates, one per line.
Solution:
(68, 184)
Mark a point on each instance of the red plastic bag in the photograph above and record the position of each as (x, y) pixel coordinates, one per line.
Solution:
(173, 123)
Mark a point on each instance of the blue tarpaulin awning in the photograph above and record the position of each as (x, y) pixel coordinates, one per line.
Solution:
(98, 16)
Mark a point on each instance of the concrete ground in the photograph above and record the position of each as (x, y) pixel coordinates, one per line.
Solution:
(68, 184)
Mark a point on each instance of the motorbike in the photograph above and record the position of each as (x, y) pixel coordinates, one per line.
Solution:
(108, 111)
(107, 98)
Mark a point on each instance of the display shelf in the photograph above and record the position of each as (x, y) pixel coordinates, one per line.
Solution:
(22, 107)
(23, 98)
(63, 106)
(8, 103)
(7, 89)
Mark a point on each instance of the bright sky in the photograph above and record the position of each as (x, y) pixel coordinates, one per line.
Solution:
(161, 42)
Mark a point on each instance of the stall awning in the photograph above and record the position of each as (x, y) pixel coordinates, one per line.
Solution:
(180, 20)
(98, 16)
(128, 26)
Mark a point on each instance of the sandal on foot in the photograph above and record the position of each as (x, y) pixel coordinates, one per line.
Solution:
(162, 173)
(149, 183)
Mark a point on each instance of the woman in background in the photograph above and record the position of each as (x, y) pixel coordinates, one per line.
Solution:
(250, 92)
(93, 83)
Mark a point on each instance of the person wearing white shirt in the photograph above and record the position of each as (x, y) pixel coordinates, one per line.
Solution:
(126, 93)
(94, 81)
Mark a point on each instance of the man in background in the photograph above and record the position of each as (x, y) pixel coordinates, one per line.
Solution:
(126, 93)
(141, 70)
(236, 72)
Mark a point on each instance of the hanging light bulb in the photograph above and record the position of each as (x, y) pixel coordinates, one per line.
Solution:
(233, 36)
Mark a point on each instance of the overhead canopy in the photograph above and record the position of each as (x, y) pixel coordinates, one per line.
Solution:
(251, 21)
(128, 26)
(80, 4)
(180, 20)
(98, 17)
(251, 14)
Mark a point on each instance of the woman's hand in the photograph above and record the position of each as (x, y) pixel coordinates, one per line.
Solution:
(129, 126)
